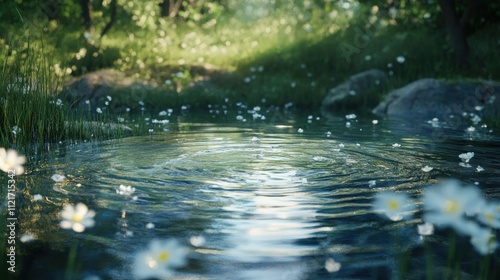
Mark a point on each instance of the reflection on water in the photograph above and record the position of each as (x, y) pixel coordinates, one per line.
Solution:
(271, 203)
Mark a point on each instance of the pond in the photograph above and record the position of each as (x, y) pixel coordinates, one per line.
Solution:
(283, 198)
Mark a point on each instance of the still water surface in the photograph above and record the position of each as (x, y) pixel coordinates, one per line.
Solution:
(270, 202)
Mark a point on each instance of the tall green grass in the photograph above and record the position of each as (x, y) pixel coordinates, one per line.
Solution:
(31, 113)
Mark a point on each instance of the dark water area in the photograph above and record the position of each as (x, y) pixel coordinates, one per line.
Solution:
(270, 201)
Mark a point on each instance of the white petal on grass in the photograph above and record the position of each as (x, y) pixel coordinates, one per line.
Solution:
(393, 205)
(27, 237)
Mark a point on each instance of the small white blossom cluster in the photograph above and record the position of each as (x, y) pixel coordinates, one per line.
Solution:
(449, 205)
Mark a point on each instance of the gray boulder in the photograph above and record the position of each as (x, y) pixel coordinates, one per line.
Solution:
(89, 92)
(364, 88)
(427, 99)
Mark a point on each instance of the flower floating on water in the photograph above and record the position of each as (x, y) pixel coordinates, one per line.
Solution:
(466, 165)
(427, 168)
(375, 122)
(159, 260)
(58, 178)
(77, 217)
(37, 197)
(447, 203)
(150, 225)
(332, 266)
(479, 168)
(10, 160)
(372, 183)
(396, 145)
(393, 205)
(351, 116)
(300, 130)
(400, 59)
(465, 157)
(125, 190)
(425, 229)
(197, 241)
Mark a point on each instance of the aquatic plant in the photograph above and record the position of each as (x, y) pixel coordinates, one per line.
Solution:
(159, 259)
(11, 161)
(448, 203)
(77, 217)
(395, 206)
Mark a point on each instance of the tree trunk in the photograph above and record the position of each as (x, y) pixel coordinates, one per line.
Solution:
(165, 8)
(456, 33)
(112, 18)
(88, 21)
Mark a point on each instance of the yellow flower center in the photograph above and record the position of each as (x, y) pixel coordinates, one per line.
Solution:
(451, 207)
(77, 218)
(490, 217)
(163, 256)
(393, 205)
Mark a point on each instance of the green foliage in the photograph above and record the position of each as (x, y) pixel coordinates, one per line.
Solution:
(92, 58)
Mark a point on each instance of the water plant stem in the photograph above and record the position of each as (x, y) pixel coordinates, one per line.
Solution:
(71, 269)
(484, 268)
(450, 267)
(429, 266)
